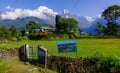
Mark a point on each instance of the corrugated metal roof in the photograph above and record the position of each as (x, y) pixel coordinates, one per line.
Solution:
(47, 28)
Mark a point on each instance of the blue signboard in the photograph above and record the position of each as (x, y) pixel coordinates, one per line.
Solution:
(67, 46)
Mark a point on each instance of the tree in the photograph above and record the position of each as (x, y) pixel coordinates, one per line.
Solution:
(14, 31)
(80, 30)
(58, 24)
(66, 25)
(112, 29)
(4, 33)
(32, 25)
(23, 32)
(99, 30)
(71, 25)
(111, 14)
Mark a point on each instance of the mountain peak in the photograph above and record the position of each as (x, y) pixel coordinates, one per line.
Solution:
(90, 19)
(65, 11)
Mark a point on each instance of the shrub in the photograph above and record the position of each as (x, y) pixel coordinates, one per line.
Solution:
(40, 35)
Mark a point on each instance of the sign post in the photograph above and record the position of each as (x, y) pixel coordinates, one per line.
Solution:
(67, 46)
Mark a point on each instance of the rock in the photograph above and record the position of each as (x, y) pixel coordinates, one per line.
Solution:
(8, 54)
(35, 69)
(0, 55)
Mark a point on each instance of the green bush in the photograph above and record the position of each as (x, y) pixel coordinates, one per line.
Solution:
(40, 35)
(96, 37)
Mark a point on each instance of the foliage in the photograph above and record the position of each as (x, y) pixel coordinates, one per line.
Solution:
(66, 25)
(111, 29)
(14, 31)
(9, 33)
(94, 64)
(32, 25)
(4, 33)
(111, 14)
(58, 20)
(95, 37)
(40, 35)
(59, 36)
(99, 30)
(118, 34)
(23, 32)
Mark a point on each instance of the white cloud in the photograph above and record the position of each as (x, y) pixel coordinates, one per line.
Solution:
(40, 12)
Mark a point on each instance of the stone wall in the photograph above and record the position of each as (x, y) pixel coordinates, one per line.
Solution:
(8, 54)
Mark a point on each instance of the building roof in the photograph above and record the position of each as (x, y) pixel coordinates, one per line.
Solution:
(47, 28)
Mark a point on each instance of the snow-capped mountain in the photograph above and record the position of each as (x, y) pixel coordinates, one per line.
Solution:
(84, 22)
(93, 26)
(45, 16)
(21, 22)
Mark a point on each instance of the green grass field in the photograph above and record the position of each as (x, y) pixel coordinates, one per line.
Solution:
(85, 47)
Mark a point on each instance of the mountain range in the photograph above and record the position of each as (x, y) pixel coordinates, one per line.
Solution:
(45, 17)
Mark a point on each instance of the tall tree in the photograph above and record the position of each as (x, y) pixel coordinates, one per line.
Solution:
(58, 24)
(112, 29)
(32, 25)
(111, 14)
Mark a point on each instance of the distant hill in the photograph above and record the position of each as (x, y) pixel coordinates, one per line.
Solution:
(21, 22)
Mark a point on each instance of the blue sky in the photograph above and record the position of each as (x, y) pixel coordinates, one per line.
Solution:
(78, 7)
